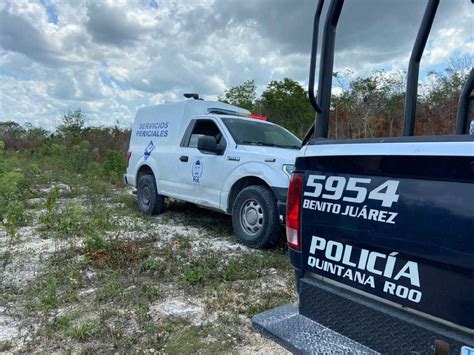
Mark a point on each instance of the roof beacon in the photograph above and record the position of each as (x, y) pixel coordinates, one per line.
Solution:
(258, 117)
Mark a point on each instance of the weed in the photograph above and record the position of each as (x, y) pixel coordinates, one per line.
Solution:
(182, 242)
(49, 296)
(5, 345)
(57, 286)
(153, 264)
(215, 269)
(201, 271)
(149, 291)
(61, 323)
(114, 252)
(49, 217)
(268, 300)
(82, 331)
(111, 290)
(6, 258)
(129, 201)
(13, 192)
(202, 338)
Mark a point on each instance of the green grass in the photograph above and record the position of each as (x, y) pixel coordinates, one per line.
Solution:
(5, 345)
(95, 291)
(57, 287)
(216, 269)
(83, 331)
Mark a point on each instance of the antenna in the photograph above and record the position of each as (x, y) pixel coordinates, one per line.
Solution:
(414, 67)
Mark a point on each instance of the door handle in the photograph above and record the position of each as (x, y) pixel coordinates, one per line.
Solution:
(184, 158)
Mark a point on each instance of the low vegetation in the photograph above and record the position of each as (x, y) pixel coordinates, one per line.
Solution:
(84, 271)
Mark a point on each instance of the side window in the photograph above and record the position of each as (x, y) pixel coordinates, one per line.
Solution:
(205, 128)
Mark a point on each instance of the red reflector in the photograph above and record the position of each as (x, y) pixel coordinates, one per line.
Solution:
(258, 117)
(293, 209)
(129, 155)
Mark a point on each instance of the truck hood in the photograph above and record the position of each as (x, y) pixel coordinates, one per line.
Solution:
(281, 155)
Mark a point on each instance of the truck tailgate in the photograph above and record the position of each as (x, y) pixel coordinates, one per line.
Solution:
(401, 230)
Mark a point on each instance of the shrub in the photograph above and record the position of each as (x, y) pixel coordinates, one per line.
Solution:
(79, 157)
(49, 218)
(114, 164)
(12, 209)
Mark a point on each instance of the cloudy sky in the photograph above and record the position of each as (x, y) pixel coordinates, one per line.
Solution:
(111, 57)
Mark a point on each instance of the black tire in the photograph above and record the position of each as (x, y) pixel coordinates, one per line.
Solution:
(149, 202)
(255, 217)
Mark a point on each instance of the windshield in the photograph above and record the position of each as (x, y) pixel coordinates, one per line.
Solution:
(259, 133)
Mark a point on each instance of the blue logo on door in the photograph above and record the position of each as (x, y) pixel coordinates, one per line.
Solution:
(197, 171)
(148, 150)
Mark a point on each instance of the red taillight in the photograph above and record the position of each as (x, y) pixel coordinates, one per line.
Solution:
(293, 209)
(129, 155)
(258, 117)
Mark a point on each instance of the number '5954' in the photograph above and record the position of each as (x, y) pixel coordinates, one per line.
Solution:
(352, 189)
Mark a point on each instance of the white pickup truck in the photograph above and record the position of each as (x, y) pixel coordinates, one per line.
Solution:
(216, 156)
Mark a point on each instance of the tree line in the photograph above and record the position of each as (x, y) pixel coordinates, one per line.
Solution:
(361, 107)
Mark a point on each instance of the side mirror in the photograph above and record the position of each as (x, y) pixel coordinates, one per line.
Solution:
(208, 144)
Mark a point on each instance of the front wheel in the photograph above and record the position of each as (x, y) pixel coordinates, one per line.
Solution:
(255, 217)
(149, 202)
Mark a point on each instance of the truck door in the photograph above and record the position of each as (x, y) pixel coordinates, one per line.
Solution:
(200, 174)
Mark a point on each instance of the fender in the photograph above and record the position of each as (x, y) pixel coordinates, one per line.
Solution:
(259, 170)
(154, 167)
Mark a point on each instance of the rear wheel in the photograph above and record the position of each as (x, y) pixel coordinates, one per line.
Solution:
(149, 201)
(255, 217)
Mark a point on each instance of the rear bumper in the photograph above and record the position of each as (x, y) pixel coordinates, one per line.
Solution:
(330, 317)
(300, 334)
(129, 179)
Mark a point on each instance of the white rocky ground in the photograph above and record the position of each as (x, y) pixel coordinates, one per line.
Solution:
(25, 258)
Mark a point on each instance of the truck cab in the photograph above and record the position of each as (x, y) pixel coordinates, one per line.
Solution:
(217, 156)
(380, 231)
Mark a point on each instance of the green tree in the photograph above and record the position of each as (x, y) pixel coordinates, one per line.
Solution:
(438, 106)
(12, 133)
(368, 106)
(286, 103)
(242, 95)
(72, 127)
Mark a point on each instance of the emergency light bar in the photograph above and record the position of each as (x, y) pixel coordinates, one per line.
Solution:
(223, 111)
(258, 117)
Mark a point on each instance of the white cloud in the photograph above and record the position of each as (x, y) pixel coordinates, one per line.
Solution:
(111, 57)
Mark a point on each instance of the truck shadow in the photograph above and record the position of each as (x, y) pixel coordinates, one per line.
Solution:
(212, 221)
(190, 214)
